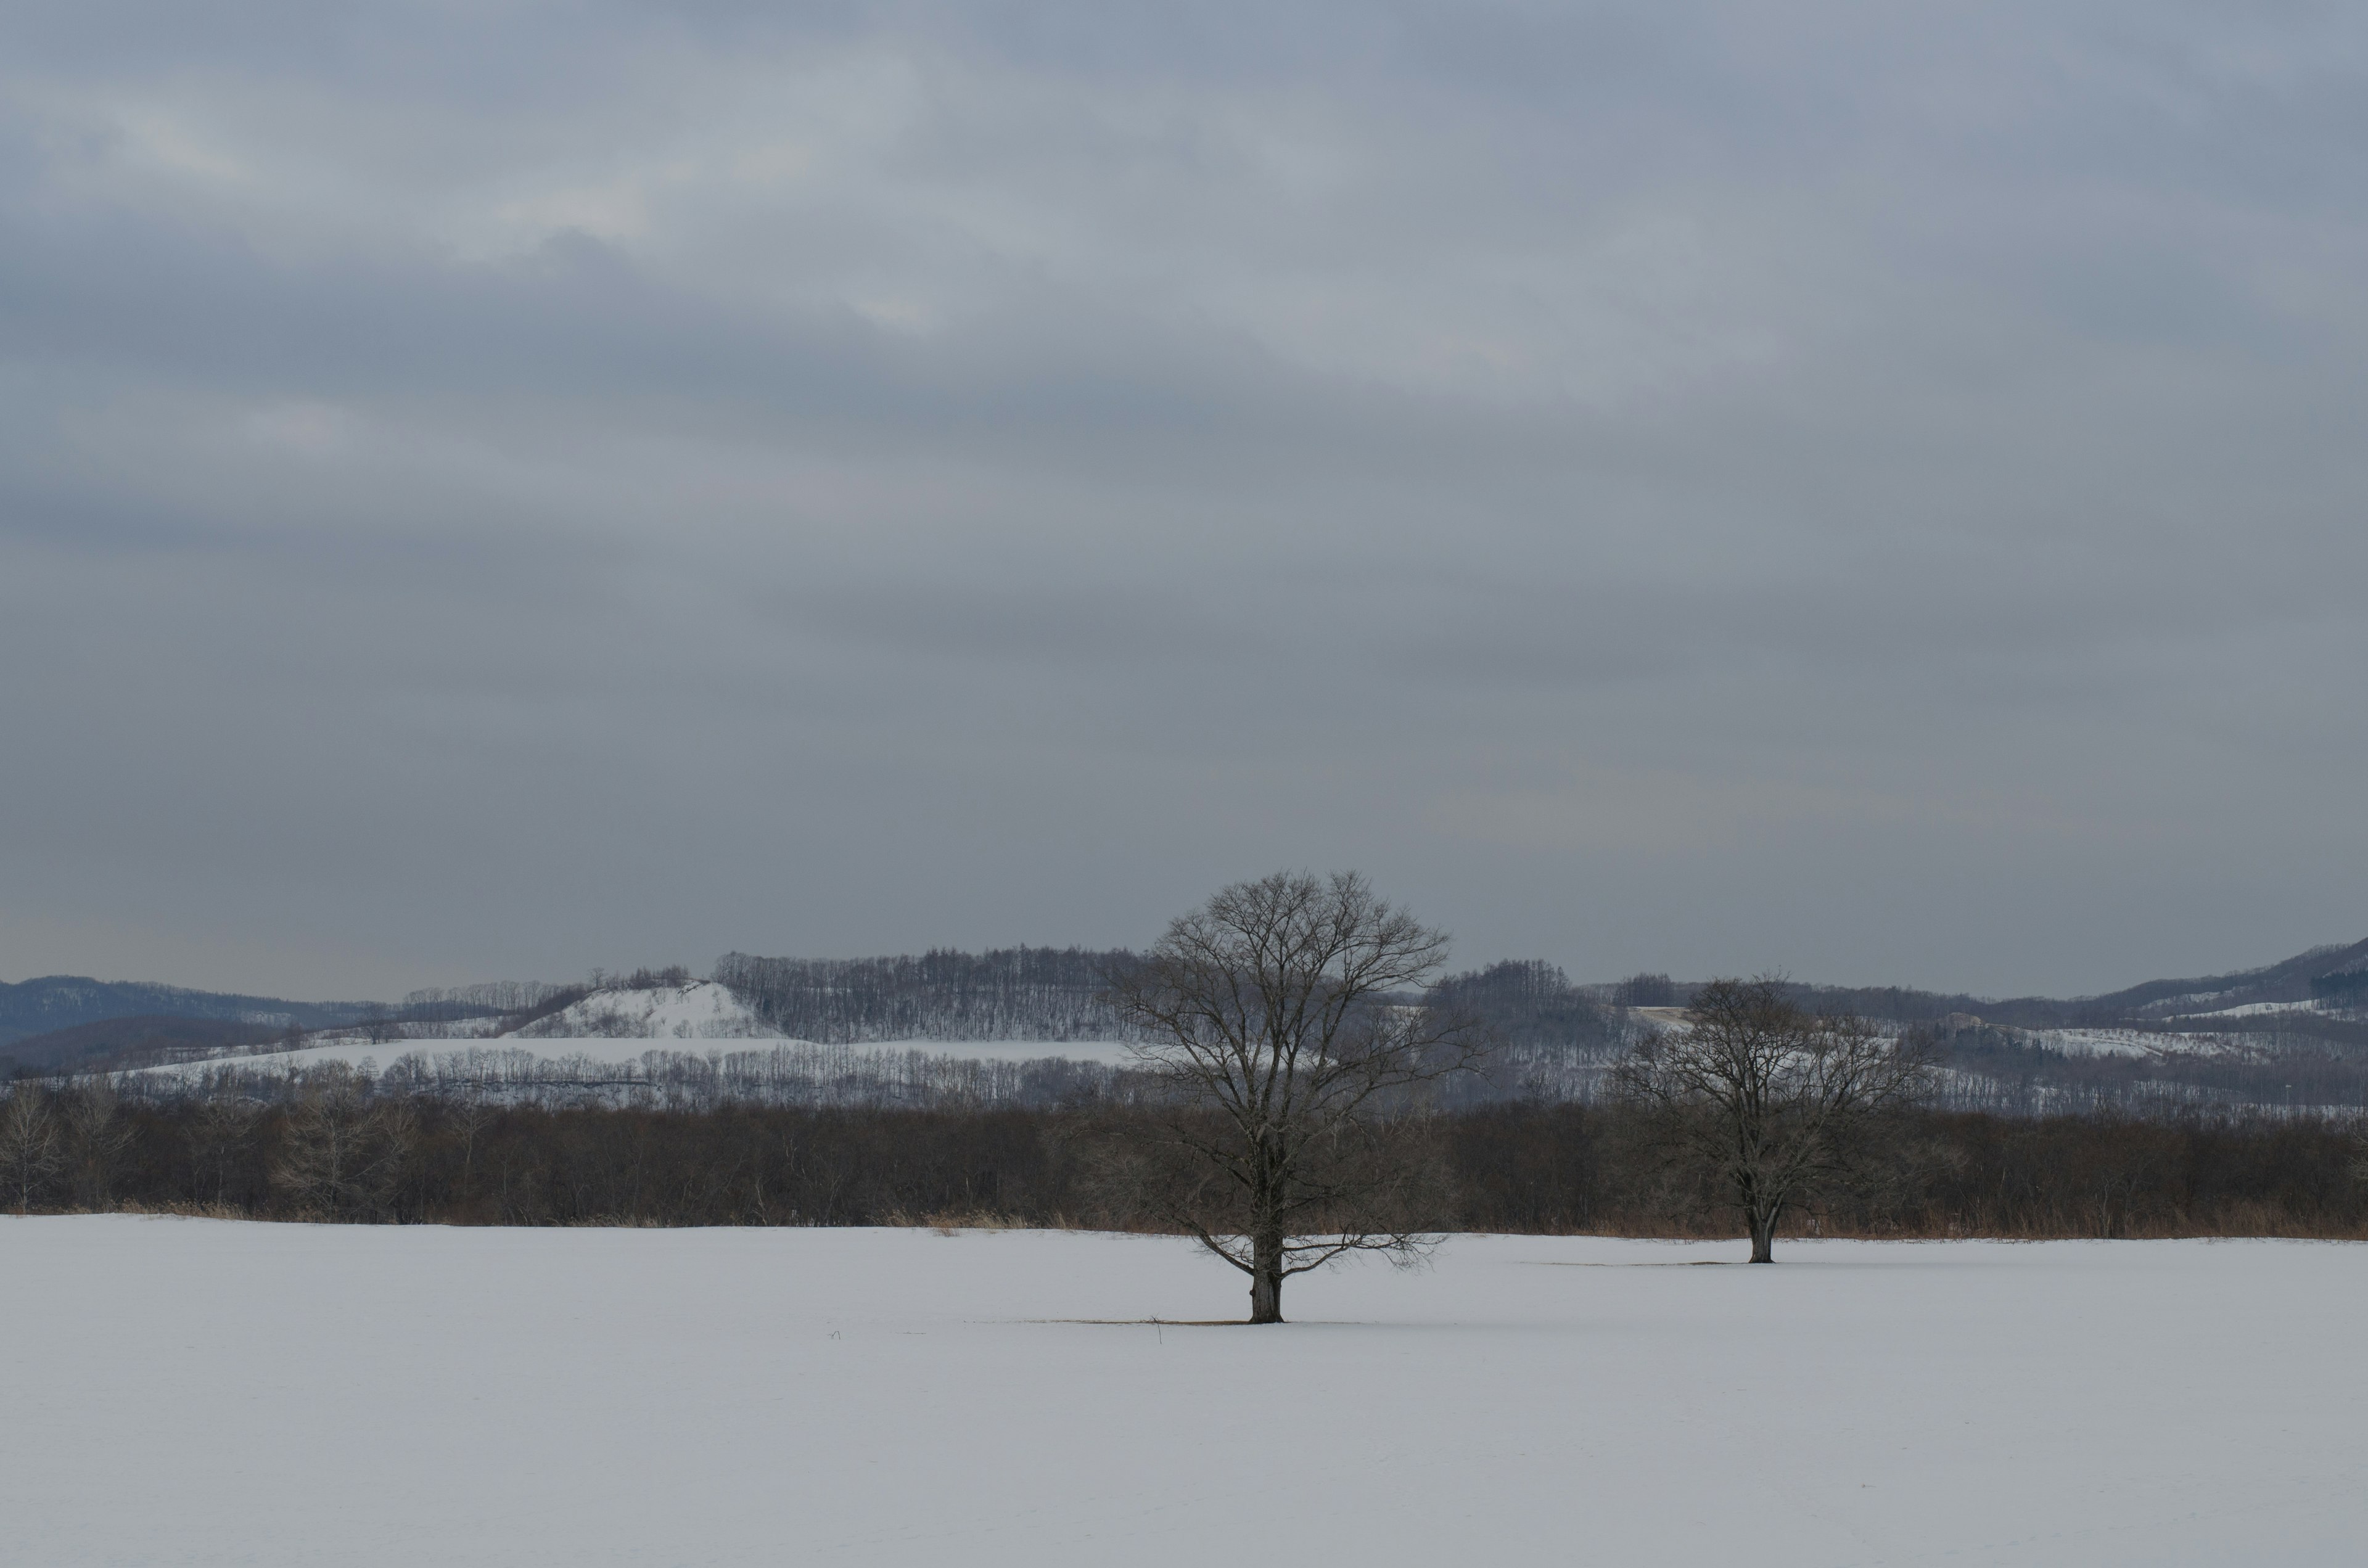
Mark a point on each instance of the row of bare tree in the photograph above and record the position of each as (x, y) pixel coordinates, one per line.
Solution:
(1551, 1169)
(336, 1150)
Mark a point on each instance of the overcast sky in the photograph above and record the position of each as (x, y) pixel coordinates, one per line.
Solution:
(488, 490)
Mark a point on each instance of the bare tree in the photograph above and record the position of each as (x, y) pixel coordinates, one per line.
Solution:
(1764, 1099)
(343, 1153)
(1273, 1017)
(96, 1139)
(29, 1144)
(470, 1115)
(218, 1127)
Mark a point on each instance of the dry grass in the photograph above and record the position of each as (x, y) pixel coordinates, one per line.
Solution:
(177, 1208)
(2230, 1222)
(955, 1222)
(615, 1223)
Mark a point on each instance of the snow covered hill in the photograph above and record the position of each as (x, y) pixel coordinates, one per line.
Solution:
(700, 1011)
(453, 1057)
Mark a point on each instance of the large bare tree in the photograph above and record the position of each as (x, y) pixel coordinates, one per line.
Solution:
(1276, 1017)
(1765, 1098)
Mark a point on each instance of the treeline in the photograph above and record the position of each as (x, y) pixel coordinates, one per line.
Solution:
(344, 1148)
(668, 1077)
(1989, 1072)
(2007, 1071)
(490, 999)
(2349, 987)
(1004, 994)
(1046, 993)
(1554, 1041)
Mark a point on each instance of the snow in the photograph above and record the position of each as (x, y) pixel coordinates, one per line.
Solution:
(208, 1393)
(356, 1052)
(622, 1026)
(2138, 1042)
(1110, 1053)
(2254, 1009)
(622, 1048)
(703, 1010)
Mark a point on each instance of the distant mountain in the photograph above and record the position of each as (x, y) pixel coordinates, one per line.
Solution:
(2281, 984)
(2286, 982)
(57, 1002)
(134, 1041)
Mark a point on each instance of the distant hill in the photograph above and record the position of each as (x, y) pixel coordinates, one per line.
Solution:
(2288, 982)
(692, 1009)
(1054, 994)
(58, 1002)
(134, 1041)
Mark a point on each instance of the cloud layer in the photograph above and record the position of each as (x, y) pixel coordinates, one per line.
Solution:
(495, 489)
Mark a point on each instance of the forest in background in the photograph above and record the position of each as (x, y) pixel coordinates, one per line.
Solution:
(346, 1150)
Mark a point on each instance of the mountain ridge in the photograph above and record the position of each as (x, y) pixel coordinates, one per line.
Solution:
(50, 1003)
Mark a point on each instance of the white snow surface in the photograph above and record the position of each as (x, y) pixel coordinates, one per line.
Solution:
(203, 1392)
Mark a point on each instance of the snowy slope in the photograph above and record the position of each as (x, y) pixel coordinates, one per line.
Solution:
(211, 1393)
(703, 1010)
(2258, 1009)
(2143, 1042)
(622, 1049)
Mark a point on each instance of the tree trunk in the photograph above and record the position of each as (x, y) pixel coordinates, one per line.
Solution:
(1763, 1237)
(1266, 1276)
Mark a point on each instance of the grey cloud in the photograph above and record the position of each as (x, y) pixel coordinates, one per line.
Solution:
(498, 491)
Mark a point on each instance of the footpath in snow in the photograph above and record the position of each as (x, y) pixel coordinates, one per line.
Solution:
(198, 1393)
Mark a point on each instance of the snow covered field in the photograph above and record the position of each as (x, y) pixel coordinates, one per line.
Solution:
(194, 1391)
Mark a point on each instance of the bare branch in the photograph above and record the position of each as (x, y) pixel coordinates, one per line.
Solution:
(1277, 1021)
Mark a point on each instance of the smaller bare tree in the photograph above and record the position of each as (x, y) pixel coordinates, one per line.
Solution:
(1275, 1019)
(219, 1124)
(29, 1155)
(343, 1153)
(468, 1116)
(96, 1139)
(1764, 1099)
